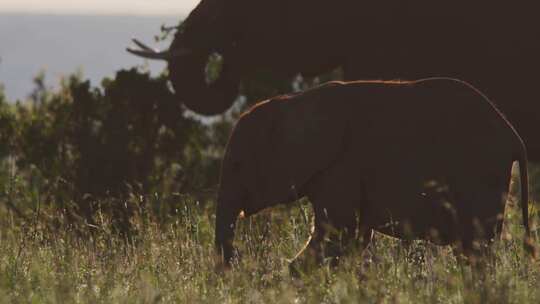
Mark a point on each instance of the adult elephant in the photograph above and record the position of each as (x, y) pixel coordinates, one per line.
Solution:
(495, 45)
(385, 156)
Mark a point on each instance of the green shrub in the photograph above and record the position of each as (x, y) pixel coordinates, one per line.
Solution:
(79, 144)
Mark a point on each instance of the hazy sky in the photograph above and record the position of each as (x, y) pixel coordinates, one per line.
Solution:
(138, 7)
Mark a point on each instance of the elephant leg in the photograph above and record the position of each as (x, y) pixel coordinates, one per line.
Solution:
(336, 196)
(310, 256)
(337, 232)
(331, 238)
(314, 251)
(480, 212)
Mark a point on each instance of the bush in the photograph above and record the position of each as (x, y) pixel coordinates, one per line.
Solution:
(80, 144)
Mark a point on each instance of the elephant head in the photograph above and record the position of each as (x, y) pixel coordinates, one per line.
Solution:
(208, 29)
(258, 171)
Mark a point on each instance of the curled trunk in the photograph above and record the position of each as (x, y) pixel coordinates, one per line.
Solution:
(189, 80)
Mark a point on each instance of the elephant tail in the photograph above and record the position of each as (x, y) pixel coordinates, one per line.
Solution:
(524, 181)
(521, 157)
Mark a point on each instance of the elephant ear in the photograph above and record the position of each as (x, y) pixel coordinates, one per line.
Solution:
(299, 136)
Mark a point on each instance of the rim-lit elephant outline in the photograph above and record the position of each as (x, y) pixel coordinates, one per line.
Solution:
(431, 158)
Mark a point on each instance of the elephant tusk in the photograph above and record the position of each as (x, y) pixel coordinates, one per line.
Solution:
(143, 46)
(147, 52)
(150, 54)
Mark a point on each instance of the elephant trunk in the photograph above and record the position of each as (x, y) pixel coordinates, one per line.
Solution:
(189, 80)
(226, 216)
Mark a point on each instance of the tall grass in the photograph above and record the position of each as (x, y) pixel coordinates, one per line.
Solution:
(44, 259)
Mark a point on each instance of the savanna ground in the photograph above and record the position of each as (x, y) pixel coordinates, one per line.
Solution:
(45, 259)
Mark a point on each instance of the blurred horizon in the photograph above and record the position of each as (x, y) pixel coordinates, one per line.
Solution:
(63, 44)
(98, 7)
(62, 37)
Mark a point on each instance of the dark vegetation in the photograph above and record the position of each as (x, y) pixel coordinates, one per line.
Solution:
(81, 144)
(85, 149)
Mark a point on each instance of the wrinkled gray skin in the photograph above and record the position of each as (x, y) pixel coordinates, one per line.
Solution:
(494, 45)
(429, 159)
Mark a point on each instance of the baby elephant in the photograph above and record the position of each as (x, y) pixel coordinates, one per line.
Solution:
(428, 159)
